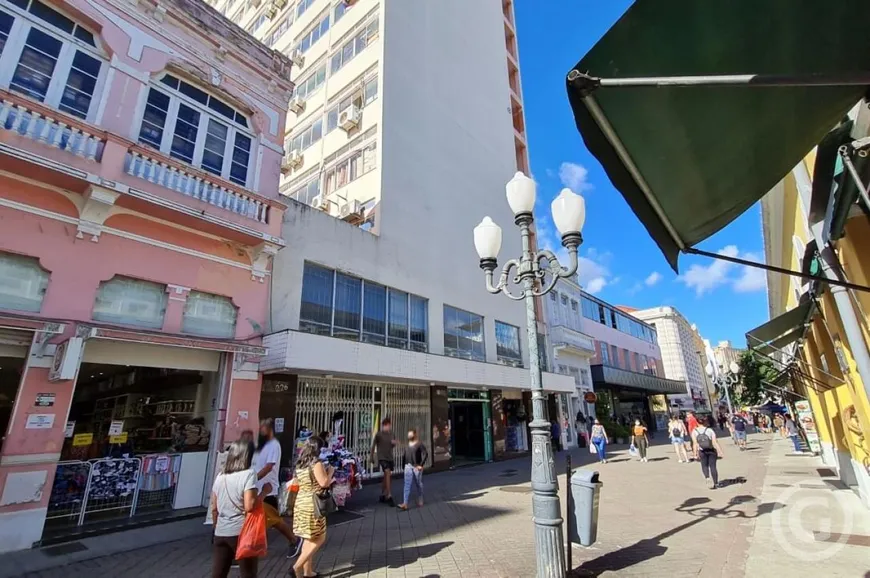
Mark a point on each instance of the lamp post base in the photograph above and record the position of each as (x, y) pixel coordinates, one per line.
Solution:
(546, 509)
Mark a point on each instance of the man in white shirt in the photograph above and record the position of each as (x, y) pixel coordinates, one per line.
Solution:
(267, 463)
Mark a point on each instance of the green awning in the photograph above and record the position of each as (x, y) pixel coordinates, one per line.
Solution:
(783, 329)
(691, 159)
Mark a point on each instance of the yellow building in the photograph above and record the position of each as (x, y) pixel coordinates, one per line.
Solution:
(816, 221)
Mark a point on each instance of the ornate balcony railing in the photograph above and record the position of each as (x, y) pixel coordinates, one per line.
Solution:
(41, 124)
(193, 183)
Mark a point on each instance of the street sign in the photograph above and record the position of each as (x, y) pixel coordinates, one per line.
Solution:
(590, 397)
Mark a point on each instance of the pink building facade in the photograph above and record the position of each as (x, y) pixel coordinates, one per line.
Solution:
(140, 153)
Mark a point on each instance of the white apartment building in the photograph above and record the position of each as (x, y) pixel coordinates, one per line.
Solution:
(379, 308)
(681, 356)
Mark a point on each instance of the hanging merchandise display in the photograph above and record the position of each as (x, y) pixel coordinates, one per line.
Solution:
(349, 471)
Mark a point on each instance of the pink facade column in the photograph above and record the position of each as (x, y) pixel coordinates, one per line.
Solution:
(30, 453)
(243, 400)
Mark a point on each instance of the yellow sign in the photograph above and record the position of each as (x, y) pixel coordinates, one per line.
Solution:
(121, 438)
(83, 439)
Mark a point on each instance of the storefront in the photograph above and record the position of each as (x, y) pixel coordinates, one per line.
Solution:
(470, 415)
(512, 412)
(13, 354)
(626, 395)
(139, 433)
(299, 402)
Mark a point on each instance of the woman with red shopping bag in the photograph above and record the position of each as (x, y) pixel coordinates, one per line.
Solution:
(237, 514)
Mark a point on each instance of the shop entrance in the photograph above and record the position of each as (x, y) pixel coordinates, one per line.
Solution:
(10, 379)
(138, 437)
(470, 425)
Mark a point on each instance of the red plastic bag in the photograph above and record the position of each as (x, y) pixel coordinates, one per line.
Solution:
(252, 539)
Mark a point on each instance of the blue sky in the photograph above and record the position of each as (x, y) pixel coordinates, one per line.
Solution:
(620, 262)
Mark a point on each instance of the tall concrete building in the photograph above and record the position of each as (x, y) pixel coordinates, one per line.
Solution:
(681, 357)
(726, 354)
(364, 116)
(405, 126)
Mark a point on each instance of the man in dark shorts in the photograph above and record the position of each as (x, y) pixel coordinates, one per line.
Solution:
(382, 450)
(738, 423)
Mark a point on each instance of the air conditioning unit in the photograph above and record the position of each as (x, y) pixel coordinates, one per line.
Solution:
(349, 118)
(297, 104)
(350, 210)
(292, 160)
(320, 202)
(297, 58)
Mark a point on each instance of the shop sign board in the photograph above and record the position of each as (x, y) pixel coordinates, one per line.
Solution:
(590, 397)
(44, 399)
(83, 439)
(66, 360)
(39, 421)
(69, 429)
(121, 438)
(805, 417)
(116, 427)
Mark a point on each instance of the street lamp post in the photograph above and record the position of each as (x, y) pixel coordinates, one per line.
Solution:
(725, 380)
(537, 273)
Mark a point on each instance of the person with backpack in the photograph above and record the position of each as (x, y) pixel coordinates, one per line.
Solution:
(677, 430)
(738, 425)
(707, 450)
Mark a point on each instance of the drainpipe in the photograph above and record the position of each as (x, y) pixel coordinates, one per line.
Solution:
(854, 337)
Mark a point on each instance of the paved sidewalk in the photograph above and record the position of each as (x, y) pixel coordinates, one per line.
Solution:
(656, 519)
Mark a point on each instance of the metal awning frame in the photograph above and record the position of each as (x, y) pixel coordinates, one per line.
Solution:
(586, 85)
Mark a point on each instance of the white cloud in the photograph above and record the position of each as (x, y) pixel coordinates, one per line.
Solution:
(574, 176)
(751, 278)
(706, 278)
(653, 278)
(741, 278)
(596, 285)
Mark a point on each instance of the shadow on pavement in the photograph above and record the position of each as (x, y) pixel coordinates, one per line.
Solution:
(647, 548)
(395, 559)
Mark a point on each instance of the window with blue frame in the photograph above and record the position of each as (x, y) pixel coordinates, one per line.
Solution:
(54, 59)
(348, 307)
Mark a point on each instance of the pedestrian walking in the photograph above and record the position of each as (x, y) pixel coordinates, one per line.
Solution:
(600, 440)
(313, 477)
(678, 433)
(415, 459)
(691, 422)
(707, 451)
(267, 463)
(556, 435)
(640, 439)
(382, 449)
(779, 424)
(738, 426)
(234, 495)
(792, 430)
(722, 420)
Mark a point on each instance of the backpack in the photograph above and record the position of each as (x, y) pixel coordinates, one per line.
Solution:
(705, 442)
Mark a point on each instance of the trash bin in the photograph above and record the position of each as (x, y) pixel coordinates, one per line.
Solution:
(583, 511)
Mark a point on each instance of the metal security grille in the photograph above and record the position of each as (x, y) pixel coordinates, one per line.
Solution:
(364, 404)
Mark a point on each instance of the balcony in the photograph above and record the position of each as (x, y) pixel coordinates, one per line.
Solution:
(41, 124)
(566, 338)
(195, 183)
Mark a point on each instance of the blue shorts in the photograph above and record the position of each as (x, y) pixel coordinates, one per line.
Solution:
(740, 435)
(677, 441)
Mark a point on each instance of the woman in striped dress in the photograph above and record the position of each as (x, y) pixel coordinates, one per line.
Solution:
(312, 477)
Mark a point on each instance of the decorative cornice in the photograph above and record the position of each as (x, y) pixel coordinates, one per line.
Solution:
(260, 257)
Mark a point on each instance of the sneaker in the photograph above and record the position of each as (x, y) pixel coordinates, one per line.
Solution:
(382, 499)
(711, 484)
(295, 549)
(391, 503)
